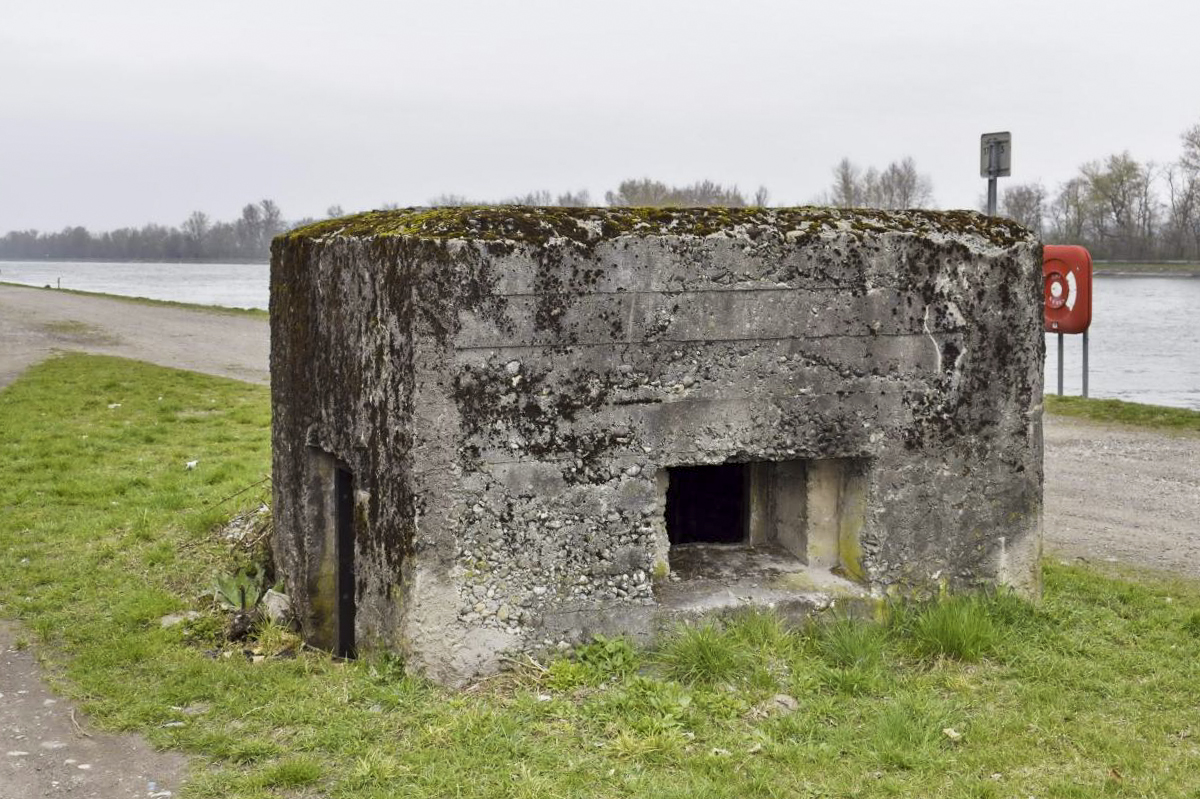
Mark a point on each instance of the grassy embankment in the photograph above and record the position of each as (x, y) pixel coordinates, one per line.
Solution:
(1165, 270)
(1136, 414)
(220, 309)
(1095, 692)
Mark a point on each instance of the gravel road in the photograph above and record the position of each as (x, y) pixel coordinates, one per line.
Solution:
(1123, 495)
(48, 749)
(35, 322)
(1112, 494)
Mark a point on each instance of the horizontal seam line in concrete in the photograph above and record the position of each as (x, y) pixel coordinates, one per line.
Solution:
(674, 292)
(626, 342)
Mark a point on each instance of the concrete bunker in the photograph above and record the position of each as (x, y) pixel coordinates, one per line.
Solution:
(501, 429)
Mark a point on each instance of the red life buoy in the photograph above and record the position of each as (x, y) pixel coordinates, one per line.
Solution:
(1067, 271)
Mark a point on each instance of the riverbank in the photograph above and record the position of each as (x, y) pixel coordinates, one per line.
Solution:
(1124, 269)
(35, 323)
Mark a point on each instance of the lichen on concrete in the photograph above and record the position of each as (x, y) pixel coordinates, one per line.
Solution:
(511, 386)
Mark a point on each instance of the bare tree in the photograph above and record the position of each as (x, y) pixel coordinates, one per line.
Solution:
(644, 192)
(574, 199)
(334, 211)
(195, 235)
(248, 230)
(529, 198)
(1069, 213)
(451, 201)
(1025, 204)
(196, 227)
(1191, 149)
(899, 185)
(655, 193)
(1123, 206)
(536, 198)
(1182, 229)
(272, 223)
(847, 185)
(762, 197)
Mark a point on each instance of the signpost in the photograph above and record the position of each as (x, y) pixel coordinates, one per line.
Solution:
(995, 161)
(1066, 269)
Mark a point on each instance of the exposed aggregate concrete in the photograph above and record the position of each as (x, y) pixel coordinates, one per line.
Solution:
(507, 385)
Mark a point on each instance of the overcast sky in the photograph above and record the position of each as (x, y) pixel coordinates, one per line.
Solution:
(122, 112)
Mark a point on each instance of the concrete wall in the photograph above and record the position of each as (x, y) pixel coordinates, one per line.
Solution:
(509, 385)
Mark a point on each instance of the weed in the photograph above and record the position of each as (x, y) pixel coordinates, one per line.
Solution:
(601, 660)
(703, 654)
(294, 772)
(608, 658)
(906, 734)
(850, 644)
(240, 591)
(959, 627)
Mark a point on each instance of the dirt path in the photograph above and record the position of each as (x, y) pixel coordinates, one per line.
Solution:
(35, 322)
(1113, 494)
(43, 752)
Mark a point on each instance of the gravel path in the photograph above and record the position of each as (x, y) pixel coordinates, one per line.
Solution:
(1112, 494)
(1123, 495)
(35, 322)
(48, 749)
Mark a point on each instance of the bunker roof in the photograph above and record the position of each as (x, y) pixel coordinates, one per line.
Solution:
(517, 224)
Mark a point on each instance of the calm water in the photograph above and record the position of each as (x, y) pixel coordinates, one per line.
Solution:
(1144, 345)
(232, 285)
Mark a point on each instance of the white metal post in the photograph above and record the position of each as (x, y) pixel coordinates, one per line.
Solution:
(1060, 364)
(992, 170)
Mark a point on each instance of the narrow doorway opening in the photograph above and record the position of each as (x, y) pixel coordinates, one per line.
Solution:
(344, 514)
(707, 504)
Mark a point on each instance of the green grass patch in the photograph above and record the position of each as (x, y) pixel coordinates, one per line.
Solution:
(960, 627)
(1168, 270)
(78, 331)
(1157, 417)
(1094, 692)
(257, 313)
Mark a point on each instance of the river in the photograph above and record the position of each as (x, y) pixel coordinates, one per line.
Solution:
(1144, 345)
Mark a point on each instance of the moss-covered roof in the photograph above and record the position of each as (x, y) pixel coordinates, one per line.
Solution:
(538, 225)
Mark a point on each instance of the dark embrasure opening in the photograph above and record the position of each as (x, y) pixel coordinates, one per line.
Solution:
(707, 504)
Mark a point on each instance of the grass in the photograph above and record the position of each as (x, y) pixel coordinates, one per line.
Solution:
(256, 313)
(1094, 692)
(82, 332)
(1172, 269)
(960, 627)
(1136, 414)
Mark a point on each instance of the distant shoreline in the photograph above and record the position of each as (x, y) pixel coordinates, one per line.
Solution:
(1125, 269)
(188, 262)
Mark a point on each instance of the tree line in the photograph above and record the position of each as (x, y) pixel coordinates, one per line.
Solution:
(247, 238)
(1118, 207)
